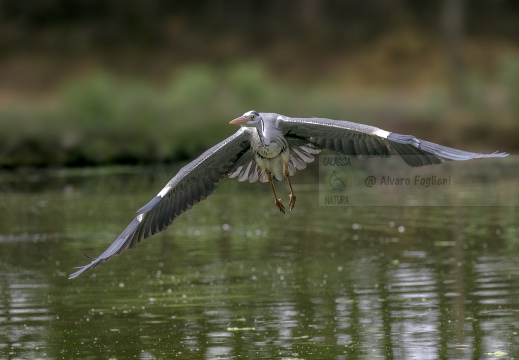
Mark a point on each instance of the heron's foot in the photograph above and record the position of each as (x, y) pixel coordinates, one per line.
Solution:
(292, 201)
(280, 205)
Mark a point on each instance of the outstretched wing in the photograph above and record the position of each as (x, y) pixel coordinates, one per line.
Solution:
(366, 141)
(192, 184)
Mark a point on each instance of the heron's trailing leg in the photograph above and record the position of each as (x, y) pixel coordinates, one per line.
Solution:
(277, 200)
(291, 196)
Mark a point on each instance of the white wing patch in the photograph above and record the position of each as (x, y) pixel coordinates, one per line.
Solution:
(164, 191)
(381, 133)
(139, 217)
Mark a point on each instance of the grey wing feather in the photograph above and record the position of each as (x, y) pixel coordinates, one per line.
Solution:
(193, 183)
(366, 141)
(301, 153)
(245, 168)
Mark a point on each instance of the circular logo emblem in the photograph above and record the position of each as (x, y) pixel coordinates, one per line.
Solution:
(337, 181)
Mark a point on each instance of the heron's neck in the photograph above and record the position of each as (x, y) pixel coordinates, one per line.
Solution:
(268, 135)
(263, 133)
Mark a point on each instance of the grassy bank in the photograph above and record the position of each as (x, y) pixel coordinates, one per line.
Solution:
(100, 120)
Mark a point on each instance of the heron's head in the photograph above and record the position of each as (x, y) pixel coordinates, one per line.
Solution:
(250, 119)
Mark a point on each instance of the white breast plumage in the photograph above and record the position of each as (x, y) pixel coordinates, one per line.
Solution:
(270, 151)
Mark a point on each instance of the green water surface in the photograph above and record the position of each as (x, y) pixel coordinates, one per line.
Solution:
(233, 278)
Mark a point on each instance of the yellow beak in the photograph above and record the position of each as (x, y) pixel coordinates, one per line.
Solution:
(238, 121)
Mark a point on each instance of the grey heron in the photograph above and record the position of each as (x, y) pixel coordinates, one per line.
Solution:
(270, 147)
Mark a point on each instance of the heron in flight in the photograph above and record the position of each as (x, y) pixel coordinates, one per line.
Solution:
(270, 147)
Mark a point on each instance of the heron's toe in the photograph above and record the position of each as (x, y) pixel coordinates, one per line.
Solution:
(280, 205)
(292, 201)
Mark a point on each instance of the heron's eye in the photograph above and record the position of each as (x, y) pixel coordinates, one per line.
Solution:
(252, 117)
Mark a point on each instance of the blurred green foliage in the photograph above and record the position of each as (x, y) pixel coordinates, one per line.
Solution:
(104, 120)
(101, 119)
